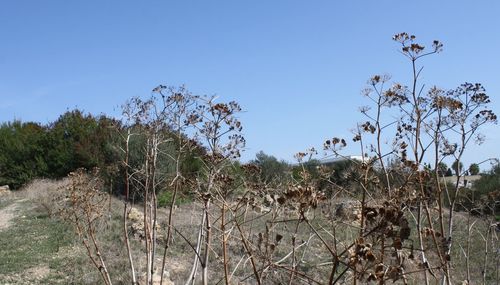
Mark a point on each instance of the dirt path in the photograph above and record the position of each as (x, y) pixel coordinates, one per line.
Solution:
(7, 214)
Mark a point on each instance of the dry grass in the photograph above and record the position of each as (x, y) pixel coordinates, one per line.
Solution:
(48, 248)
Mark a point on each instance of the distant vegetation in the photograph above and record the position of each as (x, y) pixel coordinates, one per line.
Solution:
(75, 140)
(487, 191)
(31, 150)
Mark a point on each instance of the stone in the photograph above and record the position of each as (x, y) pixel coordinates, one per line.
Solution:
(5, 189)
(136, 219)
(350, 210)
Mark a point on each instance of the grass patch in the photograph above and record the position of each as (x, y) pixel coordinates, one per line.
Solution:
(32, 240)
(165, 199)
(4, 203)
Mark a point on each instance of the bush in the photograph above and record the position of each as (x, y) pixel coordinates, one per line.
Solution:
(272, 170)
(23, 152)
(488, 189)
(165, 199)
(489, 182)
(31, 150)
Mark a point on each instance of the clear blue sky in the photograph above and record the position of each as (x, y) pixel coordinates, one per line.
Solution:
(296, 67)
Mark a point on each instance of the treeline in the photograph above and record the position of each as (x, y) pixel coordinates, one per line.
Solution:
(75, 140)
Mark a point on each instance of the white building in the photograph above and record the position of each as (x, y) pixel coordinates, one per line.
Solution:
(341, 158)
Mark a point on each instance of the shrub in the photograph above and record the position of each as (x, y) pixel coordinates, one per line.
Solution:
(22, 156)
(165, 199)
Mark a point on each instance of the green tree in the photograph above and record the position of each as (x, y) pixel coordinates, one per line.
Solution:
(489, 181)
(488, 188)
(22, 155)
(442, 168)
(77, 140)
(474, 169)
(272, 170)
(457, 167)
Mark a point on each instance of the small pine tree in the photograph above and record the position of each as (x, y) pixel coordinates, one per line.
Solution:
(474, 169)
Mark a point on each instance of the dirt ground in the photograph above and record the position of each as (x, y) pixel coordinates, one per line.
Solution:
(7, 214)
